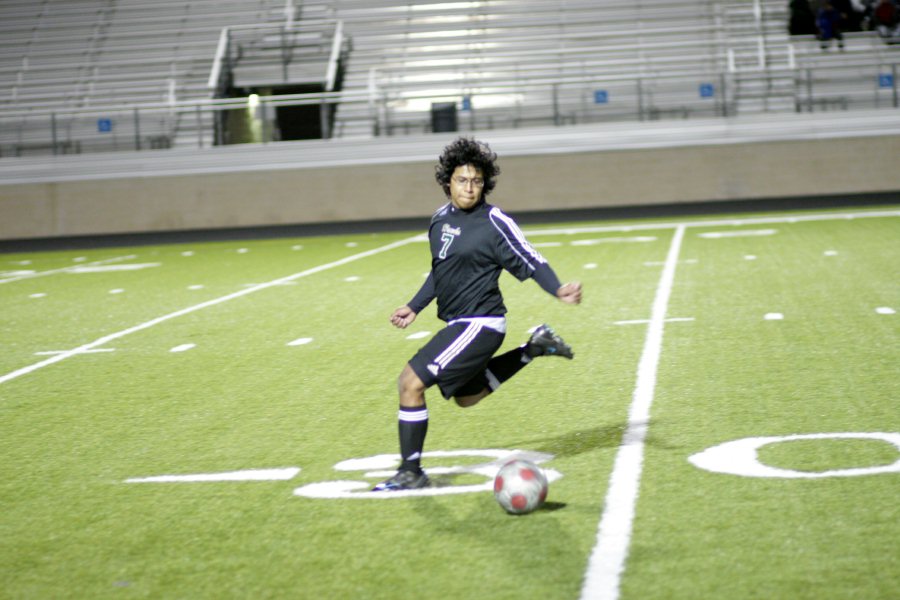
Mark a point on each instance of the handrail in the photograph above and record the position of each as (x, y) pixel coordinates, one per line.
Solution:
(221, 51)
(369, 95)
(336, 44)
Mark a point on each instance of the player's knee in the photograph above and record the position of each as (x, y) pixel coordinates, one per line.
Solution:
(464, 401)
(468, 401)
(409, 382)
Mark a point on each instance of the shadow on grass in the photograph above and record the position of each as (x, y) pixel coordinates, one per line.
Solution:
(573, 443)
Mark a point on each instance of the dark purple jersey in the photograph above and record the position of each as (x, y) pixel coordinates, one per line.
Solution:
(469, 249)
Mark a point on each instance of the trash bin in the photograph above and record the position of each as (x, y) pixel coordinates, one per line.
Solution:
(443, 116)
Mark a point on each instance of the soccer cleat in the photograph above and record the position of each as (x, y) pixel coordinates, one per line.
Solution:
(545, 342)
(403, 480)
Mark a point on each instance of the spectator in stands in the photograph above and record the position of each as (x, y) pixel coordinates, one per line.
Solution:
(851, 15)
(803, 21)
(829, 23)
(885, 20)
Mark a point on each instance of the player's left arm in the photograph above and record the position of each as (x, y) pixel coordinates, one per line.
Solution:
(520, 258)
(570, 293)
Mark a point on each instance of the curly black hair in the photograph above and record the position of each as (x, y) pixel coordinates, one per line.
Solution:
(467, 151)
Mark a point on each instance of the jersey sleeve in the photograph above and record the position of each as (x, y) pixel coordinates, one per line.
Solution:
(546, 277)
(518, 256)
(424, 296)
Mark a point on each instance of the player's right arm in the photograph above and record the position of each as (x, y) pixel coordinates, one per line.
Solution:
(403, 317)
(406, 314)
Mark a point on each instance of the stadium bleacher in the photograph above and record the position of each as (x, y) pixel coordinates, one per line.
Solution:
(83, 75)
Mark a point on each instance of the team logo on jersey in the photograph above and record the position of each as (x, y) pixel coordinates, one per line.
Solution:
(433, 369)
(448, 234)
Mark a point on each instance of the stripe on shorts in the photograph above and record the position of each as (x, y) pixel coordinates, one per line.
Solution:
(458, 345)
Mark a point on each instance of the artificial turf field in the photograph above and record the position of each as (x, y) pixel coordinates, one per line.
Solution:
(194, 420)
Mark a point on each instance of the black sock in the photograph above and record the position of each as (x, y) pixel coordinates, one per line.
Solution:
(502, 367)
(413, 425)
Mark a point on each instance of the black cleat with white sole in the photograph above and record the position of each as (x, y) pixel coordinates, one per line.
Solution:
(545, 342)
(404, 480)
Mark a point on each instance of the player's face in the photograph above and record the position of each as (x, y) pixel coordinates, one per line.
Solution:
(466, 185)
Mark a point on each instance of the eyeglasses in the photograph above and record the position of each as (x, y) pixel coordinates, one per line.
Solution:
(465, 181)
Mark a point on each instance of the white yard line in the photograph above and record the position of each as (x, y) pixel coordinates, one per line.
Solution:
(68, 269)
(607, 561)
(179, 313)
(606, 565)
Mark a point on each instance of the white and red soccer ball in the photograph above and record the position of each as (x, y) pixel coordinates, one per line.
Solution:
(520, 487)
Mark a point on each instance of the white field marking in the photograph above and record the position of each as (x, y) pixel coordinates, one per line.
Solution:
(183, 348)
(243, 250)
(300, 341)
(740, 457)
(885, 310)
(195, 287)
(645, 321)
(660, 263)
(607, 561)
(830, 253)
(51, 352)
(351, 244)
(418, 335)
(190, 309)
(590, 266)
(715, 235)
(750, 257)
(710, 223)
(18, 273)
(65, 269)
(352, 278)
(249, 475)
(187, 253)
(297, 247)
(614, 240)
(385, 465)
(773, 317)
(106, 268)
(38, 295)
(249, 285)
(547, 245)
(80, 259)
(116, 291)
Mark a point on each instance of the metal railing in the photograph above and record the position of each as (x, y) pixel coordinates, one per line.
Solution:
(383, 110)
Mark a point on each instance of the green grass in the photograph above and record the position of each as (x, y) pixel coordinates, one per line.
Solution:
(73, 431)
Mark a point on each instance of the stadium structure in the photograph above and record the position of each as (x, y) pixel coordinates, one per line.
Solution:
(196, 107)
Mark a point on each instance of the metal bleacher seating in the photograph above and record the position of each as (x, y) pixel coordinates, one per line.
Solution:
(67, 64)
(61, 56)
(861, 75)
(543, 65)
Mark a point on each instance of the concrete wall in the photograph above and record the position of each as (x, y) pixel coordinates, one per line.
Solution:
(527, 183)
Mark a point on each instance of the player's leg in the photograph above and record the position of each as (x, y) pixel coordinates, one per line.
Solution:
(412, 427)
(543, 342)
(447, 360)
(412, 420)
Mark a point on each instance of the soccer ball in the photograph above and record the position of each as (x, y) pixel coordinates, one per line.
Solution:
(520, 487)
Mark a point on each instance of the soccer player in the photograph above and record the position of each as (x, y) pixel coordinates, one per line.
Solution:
(471, 243)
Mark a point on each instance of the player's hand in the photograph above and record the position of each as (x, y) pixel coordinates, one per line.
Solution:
(570, 293)
(402, 317)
